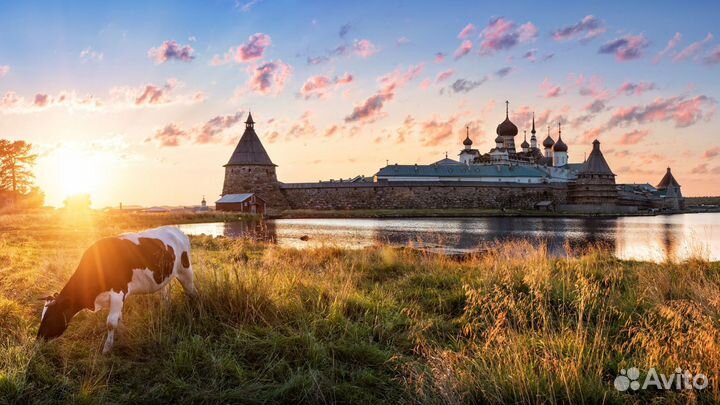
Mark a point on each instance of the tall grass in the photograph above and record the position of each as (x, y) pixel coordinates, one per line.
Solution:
(328, 325)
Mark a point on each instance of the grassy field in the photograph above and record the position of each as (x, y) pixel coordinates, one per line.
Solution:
(380, 325)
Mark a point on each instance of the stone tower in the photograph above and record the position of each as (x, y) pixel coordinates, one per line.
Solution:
(595, 184)
(250, 170)
(669, 188)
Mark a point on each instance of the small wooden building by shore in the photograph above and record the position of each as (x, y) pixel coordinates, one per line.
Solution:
(247, 202)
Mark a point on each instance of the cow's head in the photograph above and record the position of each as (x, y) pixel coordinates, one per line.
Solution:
(54, 319)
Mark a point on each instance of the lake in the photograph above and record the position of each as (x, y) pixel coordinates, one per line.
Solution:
(653, 238)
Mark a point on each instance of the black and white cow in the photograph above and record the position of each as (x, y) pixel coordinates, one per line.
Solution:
(114, 268)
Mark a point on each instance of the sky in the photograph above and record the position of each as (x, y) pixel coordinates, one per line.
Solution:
(143, 102)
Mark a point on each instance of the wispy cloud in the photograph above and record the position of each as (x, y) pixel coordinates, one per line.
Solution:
(466, 85)
(319, 86)
(466, 32)
(586, 29)
(209, 132)
(372, 108)
(633, 137)
(637, 89)
(444, 75)
(680, 110)
(89, 54)
(464, 48)
(626, 48)
(4, 70)
(712, 57)
(671, 44)
(550, 90)
(692, 49)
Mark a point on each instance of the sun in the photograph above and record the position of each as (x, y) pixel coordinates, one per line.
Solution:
(79, 173)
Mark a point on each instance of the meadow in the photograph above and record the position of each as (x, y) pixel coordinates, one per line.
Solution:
(377, 325)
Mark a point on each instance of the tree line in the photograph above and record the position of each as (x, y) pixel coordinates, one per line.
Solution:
(17, 188)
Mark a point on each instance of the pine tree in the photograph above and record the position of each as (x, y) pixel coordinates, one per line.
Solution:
(16, 162)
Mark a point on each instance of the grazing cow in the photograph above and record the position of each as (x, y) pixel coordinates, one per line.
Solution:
(113, 269)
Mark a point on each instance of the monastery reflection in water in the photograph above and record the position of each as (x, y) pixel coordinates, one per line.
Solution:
(641, 238)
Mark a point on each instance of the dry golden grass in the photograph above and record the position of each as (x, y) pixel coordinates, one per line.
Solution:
(328, 325)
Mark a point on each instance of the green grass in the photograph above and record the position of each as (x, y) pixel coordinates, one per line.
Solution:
(276, 325)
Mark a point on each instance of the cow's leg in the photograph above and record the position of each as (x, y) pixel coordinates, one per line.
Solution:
(113, 320)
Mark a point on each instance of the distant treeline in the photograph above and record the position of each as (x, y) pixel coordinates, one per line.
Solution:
(697, 201)
(17, 189)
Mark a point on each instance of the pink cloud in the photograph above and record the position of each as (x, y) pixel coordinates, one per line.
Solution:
(444, 75)
(41, 100)
(682, 111)
(590, 135)
(626, 48)
(712, 57)
(712, 152)
(586, 29)
(502, 34)
(550, 89)
(633, 137)
(629, 88)
(692, 49)
(371, 109)
(464, 48)
(4, 70)
(269, 78)
(250, 51)
(208, 133)
(671, 44)
(467, 31)
(439, 57)
(364, 48)
(436, 132)
(346, 78)
(319, 86)
(315, 86)
(171, 50)
(170, 135)
(153, 94)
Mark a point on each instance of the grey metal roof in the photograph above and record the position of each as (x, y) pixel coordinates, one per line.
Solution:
(446, 161)
(234, 198)
(250, 151)
(460, 170)
(596, 163)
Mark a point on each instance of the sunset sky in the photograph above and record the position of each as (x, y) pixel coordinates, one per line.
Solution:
(143, 103)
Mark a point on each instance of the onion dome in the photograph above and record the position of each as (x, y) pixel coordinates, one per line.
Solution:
(467, 141)
(507, 128)
(524, 145)
(548, 142)
(560, 145)
(499, 139)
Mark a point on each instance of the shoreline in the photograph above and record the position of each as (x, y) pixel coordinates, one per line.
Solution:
(464, 213)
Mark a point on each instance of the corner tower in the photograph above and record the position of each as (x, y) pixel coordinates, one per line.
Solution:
(250, 170)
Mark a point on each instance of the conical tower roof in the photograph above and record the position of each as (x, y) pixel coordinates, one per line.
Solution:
(250, 151)
(667, 180)
(596, 163)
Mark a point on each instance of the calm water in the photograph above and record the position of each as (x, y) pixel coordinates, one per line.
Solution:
(643, 238)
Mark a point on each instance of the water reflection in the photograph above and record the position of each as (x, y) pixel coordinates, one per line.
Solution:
(642, 238)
